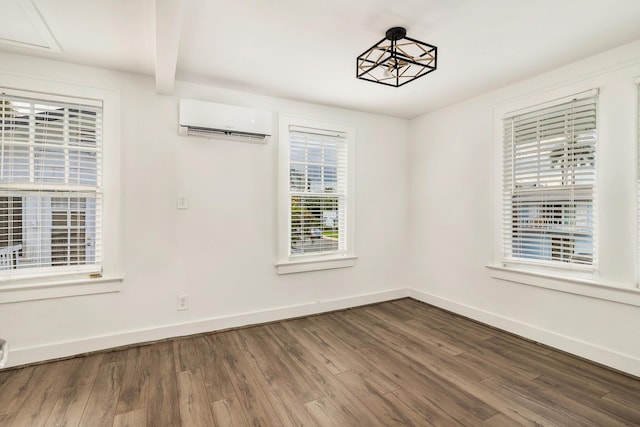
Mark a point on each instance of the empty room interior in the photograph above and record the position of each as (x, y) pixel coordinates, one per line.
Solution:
(279, 212)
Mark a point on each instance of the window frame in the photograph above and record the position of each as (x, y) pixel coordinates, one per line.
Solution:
(41, 185)
(110, 277)
(618, 273)
(548, 196)
(637, 146)
(296, 263)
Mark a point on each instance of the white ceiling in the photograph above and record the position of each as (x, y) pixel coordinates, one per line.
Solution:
(307, 49)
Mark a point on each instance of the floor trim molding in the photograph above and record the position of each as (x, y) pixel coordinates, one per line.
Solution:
(52, 351)
(619, 361)
(615, 360)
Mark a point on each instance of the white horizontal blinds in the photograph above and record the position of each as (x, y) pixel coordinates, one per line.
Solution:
(318, 191)
(549, 182)
(50, 185)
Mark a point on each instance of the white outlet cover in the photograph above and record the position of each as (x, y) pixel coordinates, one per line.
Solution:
(183, 302)
(183, 202)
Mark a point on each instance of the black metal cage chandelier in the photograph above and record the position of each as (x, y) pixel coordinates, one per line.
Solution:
(396, 60)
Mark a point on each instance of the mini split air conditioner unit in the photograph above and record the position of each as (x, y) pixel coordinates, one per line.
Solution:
(211, 120)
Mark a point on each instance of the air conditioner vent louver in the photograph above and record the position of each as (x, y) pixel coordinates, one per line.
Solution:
(212, 133)
(211, 120)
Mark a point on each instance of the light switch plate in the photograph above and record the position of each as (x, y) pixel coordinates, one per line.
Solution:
(183, 203)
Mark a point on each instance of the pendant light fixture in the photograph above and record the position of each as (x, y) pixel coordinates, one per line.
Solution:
(396, 60)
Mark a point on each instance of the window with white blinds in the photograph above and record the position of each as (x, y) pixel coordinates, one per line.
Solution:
(549, 176)
(317, 191)
(50, 185)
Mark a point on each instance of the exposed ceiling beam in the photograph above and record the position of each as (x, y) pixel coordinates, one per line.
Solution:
(168, 25)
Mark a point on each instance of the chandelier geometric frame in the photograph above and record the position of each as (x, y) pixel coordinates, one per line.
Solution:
(396, 59)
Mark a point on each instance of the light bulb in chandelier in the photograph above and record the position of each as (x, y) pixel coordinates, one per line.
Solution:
(388, 72)
(394, 68)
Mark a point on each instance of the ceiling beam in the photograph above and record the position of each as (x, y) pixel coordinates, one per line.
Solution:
(168, 25)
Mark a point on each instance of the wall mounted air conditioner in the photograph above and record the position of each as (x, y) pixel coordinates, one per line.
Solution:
(211, 120)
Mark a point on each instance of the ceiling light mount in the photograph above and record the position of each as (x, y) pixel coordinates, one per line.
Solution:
(396, 33)
(396, 60)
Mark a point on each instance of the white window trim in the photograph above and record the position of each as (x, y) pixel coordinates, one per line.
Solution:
(287, 264)
(526, 270)
(111, 277)
(571, 285)
(545, 266)
(607, 283)
(637, 145)
(68, 287)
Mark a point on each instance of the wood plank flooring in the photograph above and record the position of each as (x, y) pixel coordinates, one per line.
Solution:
(397, 363)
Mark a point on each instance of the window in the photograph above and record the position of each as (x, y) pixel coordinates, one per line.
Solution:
(549, 175)
(316, 178)
(50, 185)
(10, 231)
(317, 191)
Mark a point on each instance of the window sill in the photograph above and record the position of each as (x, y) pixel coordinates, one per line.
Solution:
(59, 288)
(314, 264)
(589, 288)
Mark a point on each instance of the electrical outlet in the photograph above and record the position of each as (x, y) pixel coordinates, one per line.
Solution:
(183, 302)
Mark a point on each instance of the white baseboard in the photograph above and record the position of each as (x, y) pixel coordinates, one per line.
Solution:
(616, 360)
(601, 355)
(23, 356)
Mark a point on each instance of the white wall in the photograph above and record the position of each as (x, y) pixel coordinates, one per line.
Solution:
(222, 250)
(423, 192)
(454, 159)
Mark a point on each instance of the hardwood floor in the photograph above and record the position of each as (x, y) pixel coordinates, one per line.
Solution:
(395, 363)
